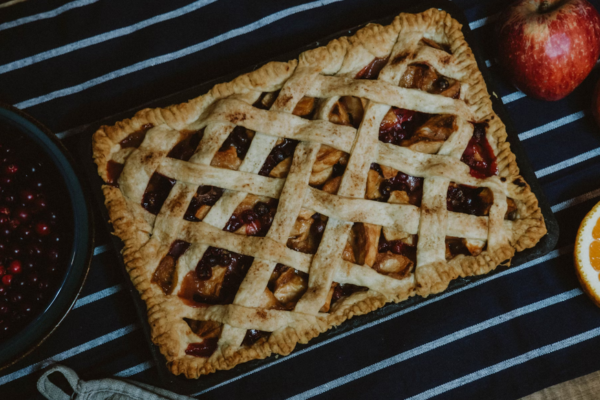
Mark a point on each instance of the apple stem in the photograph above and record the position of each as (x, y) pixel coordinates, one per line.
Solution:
(544, 6)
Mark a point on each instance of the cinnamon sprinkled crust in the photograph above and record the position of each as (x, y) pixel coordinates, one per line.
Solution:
(292, 151)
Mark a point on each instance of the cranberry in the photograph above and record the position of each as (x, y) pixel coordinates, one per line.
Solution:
(5, 210)
(22, 214)
(27, 196)
(261, 208)
(4, 308)
(7, 279)
(15, 267)
(5, 231)
(2, 290)
(4, 220)
(11, 169)
(42, 228)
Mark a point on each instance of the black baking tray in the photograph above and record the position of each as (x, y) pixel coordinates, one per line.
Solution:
(182, 385)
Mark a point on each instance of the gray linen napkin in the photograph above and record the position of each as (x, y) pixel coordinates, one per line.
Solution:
(102, 389)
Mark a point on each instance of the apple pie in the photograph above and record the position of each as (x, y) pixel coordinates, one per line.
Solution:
(282, 203)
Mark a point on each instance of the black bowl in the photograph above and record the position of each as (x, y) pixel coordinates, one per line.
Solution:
(31, 335)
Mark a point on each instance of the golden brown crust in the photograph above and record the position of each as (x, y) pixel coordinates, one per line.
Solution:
(338, 56)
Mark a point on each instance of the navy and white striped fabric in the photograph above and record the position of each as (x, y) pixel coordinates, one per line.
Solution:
(505, 336)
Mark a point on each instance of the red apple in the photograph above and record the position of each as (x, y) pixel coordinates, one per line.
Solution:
(548, 47)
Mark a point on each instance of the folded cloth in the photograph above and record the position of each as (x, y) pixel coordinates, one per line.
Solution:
(102, 389)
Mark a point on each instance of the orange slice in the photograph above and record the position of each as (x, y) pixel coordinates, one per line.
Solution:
(587, 254)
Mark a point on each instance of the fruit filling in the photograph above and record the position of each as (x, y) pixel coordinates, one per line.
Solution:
(165, 272)
(469, 200)
(253, 336)
(595, 247)
(35, 231)
(216, 279)
(113, 172)
(253, 217)
(420, 132)
(425, 78)
(282, 151)
(468, 247)
(157, 192)
(389, 185)
(187, 147)
(479, 155)
(307, 232)
(203, 200)
(348, 110)
(136, 138)
(372, 70)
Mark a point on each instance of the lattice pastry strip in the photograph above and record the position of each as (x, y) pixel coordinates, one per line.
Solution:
(401, 122)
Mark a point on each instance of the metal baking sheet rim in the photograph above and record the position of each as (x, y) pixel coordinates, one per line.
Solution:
(186, 386)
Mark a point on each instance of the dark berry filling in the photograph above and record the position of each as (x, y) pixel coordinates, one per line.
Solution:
(253, 336)
(401, 128)
(35, 231)
(205, 196)
(239, 139)
(372, 70)
(413, 186)
(457, 246)
(136, 138)
(279, 153)
(468, 200)
(186, 148)
(113, 170)
(204, 349)
(157, 192)
(237, 266)
(398, 247)
(479, 155)
(345, 291)
(258, 220)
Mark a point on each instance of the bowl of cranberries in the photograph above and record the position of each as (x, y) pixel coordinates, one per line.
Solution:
(46, 234)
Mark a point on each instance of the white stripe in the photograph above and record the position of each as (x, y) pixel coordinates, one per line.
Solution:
(576, 200)
(103, 37)
(97, 296)
(552, 125)
(101, 249)
(549, 256)
(483, 21)
(47, 14)
(513, 96)
(453, 337)
(66, 354)
(175, 55)
(135, 370)
(501, 366)
(568, 163)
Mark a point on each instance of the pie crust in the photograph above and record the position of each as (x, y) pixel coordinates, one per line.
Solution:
(432, 43)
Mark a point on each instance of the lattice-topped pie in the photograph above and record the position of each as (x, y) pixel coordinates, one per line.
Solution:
(294, 197)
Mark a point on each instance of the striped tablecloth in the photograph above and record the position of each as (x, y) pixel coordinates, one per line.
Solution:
(506, 336)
